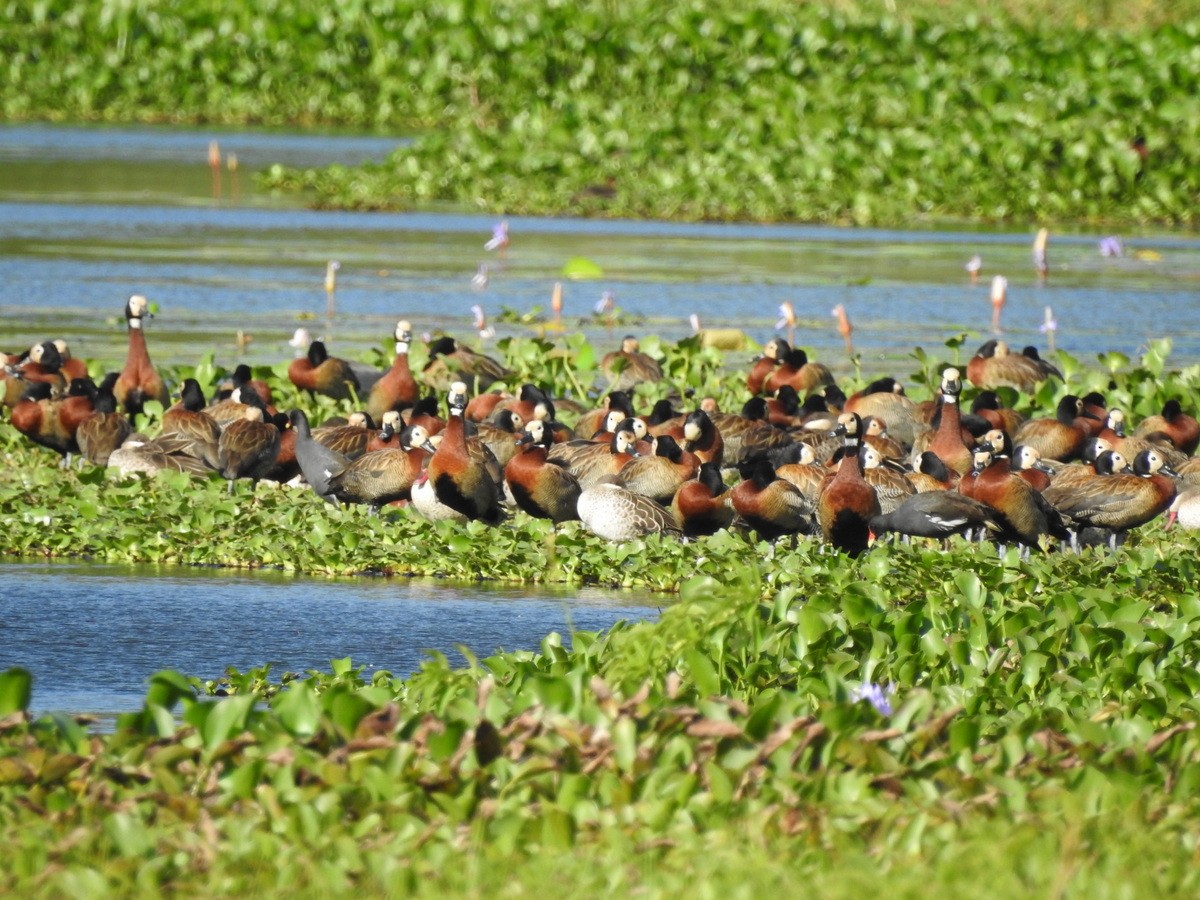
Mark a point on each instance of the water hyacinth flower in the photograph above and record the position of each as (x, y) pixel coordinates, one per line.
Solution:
(787, 316)
(974, 266)
(480, 280)
(1049, 323)
(605, 304)
(879, 696)
(1111, 246)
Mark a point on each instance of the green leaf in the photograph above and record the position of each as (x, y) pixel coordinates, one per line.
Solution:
(16, 689)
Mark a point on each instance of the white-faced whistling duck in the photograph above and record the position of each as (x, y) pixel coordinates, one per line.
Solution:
(242, 376)
(947, 442)
(1182, 429)
(987, 406)
(891, 487)
(461, 481)
(502, 433)
(876, 434)
(847, 502)
(773, 352)
(590, 462)
(994, 366)
(39, 418)
(186, 421)
(384, 476)
(628, 367)
(1059, 438)
(450, 361)
(139, 380)
(886, 399)
(796, 370)
(543, 489)
(351, 439)
(319, 373)
(105, 429)
(769, 505)
(593, 421)
(703, 506)
(72, 368)
(397, 389)
(1024, 514)
(249, 446)
(931, 475)
(44, 362)
(659, 476)
(1118, 502)
(615, 514)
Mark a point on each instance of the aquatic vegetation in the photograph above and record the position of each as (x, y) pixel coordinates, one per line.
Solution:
(760, 111)
(176, 518)
(1059, 698)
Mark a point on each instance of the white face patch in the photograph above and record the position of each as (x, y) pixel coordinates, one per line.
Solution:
(401, 347)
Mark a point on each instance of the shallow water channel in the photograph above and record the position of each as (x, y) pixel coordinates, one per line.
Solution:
(89, 215)
(92, 634)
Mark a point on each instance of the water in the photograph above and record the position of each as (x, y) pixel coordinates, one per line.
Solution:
(92, 634)
(88, 216)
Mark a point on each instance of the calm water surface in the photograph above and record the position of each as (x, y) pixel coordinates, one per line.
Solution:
(92, 634)
(89, 215)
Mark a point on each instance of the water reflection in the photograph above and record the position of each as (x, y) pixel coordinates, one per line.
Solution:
(92, 634)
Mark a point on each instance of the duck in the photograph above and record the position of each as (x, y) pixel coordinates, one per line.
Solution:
(875, 433)
(248, 447)
(351, 439)
(988, 407)
(396, 389)
(542, 488)
(450, 361)
(749, 434)
(243, 376)
(931, 475)
(1060, 437)
(798, 466)
(385, 476)
(72, 368)
(772, 353)
(319, 373)
(1025, 516)
(700, 436)
(885, 399)
(1182, 429)
(594, 421)
(1185, 510)
(659, 476)
(590, 462)
(848, 502)
(39, 417)
(1028, 465)
(139, 455)
(769, 505)
(704, 505)
(44, 363)
(187, 422)
(947, 442)
(139, 380)
(628, 367)
(937, 514)
(891, 487)
(427, 505)
(796, 370)
(461, 480)
(105, 430)
(1121, 501)
(994, 365)
(615, 514)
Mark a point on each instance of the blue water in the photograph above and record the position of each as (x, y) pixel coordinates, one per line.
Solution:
(92, 634)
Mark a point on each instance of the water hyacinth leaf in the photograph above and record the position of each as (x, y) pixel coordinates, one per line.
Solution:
(580, 268)
(166, 688)
(298, 709)
(703, 673)
(227, 719)
(16, 689)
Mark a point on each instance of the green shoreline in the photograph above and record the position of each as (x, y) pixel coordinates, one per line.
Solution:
(761, 111)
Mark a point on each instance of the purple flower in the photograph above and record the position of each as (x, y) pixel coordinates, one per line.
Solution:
(1111, 246)
(877, 695)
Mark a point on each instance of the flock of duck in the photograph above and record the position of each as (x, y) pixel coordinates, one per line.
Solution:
(841, 469)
